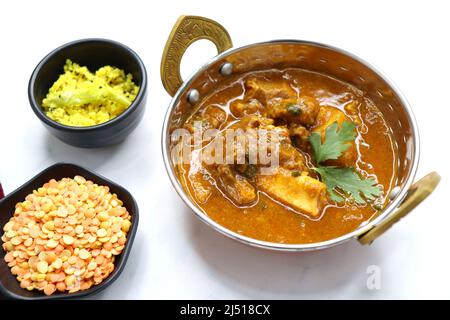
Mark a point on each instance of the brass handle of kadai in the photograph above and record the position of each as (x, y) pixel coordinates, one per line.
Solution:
(186, 31)
(418, 192)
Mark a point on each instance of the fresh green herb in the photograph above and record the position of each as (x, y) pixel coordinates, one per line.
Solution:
(341, 181)
(296, 173)
(349, 182)
(250, 171)
(294, 109)
(335, 142)
(262, 205)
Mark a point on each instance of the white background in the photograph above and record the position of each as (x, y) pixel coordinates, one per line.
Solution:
(175, 255)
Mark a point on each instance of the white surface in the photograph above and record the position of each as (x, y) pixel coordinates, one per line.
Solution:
(176, 256)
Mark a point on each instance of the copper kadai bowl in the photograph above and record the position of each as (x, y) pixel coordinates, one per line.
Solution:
(300, 54)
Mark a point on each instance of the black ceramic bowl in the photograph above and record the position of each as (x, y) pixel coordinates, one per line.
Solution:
(9, 286)
(93, 53)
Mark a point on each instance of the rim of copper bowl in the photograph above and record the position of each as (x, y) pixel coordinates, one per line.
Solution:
(392, 205)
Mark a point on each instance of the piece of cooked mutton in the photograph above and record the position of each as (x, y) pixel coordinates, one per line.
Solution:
(289, 183)
(233, 178)
(235, 185)
(212, 117)
(265, 90)
(241, 108)
(282, 102)
(299, 135)
(300, 192)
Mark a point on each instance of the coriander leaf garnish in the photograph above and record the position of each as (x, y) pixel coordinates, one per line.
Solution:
(294, 109)
(296, 173)
(344, 181)
(335, 141)
(349, 182)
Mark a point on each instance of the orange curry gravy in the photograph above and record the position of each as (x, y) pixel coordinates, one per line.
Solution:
(270, 219)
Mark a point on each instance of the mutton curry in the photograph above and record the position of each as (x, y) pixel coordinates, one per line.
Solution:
(335, 157)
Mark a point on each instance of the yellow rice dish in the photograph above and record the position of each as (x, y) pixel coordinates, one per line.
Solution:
(81, 98)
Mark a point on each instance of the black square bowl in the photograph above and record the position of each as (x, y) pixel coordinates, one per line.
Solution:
(9, 286)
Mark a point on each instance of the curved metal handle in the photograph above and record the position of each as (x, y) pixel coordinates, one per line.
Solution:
(418, 192)
(186, 31)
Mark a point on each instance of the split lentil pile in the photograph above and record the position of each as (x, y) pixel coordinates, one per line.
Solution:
(65, 236)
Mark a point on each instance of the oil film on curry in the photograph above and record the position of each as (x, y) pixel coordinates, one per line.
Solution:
(286, 145)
